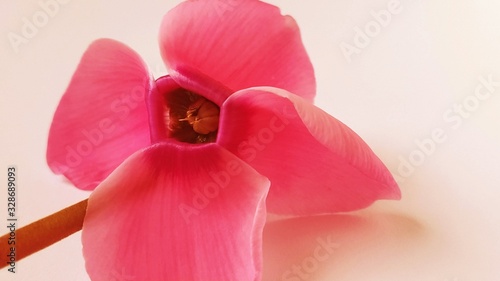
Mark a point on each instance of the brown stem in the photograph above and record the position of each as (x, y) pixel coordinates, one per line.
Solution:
(42, 233)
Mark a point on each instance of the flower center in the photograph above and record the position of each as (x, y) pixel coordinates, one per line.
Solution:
(191, 118)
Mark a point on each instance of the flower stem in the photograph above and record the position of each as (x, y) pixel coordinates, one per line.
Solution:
(42, 233)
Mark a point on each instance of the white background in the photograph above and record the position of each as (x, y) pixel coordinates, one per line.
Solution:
(394, 92)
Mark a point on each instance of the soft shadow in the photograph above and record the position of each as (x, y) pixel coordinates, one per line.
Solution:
(310, 248)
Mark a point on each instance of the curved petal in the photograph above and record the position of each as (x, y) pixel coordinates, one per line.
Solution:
(316, 164)
(173, 212)
(102, 117)
(239, 43)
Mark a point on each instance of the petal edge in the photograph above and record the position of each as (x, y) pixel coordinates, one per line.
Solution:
(316, 164)
(240, 44)
(102, 118)
(144, 228)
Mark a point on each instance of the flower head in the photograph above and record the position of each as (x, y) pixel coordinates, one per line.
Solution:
(183, 164)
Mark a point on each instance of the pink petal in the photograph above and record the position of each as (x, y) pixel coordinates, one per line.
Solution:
(316, 164)
(175, 212)
(102, 117)
(240, 44)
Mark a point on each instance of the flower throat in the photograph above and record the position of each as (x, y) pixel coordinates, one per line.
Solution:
(191, 118)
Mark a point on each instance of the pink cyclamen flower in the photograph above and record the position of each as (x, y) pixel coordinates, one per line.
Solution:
(183, 165)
